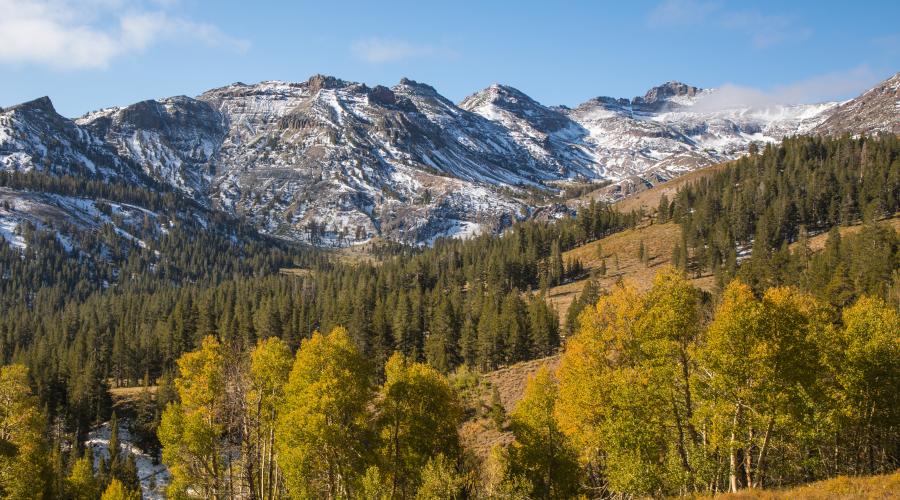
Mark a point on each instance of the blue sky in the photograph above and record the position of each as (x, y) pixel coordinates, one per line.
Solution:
(87, 54)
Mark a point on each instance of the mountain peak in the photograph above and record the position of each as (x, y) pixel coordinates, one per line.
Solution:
(500, 95)
(667, 91)
(406, 82)
(875, 111)
(507, 91)
(41, 103)
(319, 81)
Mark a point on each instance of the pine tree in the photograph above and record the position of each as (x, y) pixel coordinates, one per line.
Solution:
(677, 256)
(128, 474)
(490, 344)
(543, 327)
(662, 212)
(402, 325)
(442, 344)
(515, 327)
(496, 411)
(557, 269)
(114, 446)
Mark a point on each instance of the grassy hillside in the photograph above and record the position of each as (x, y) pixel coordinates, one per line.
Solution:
(868, 487)
(479, 433)
(620, 252)
(817, 242)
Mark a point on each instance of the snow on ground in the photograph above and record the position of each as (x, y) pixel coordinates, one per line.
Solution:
(7, 231)
(458, 229)
(153, 477)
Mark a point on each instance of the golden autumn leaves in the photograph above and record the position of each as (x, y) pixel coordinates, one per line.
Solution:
(768, 390)
(658, 393)
(314, 426)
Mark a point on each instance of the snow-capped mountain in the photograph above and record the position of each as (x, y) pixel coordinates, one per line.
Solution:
(329, 157)
(638, 142)
(173, 140)
(34, 137)
(334, 162)
(875, 111)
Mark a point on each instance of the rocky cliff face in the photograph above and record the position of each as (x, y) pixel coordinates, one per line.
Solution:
(874, 112)
(173, 140)
(34, 137)
(333, 162)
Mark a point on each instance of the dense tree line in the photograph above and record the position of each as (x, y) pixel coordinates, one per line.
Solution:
(667, 392)
(757, 206)
(37, 464)
(119, 313)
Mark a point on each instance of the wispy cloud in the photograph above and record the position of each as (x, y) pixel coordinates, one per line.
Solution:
(86, 34)
(383, 50)
(764, 30)
(681, 13)
(820, 88)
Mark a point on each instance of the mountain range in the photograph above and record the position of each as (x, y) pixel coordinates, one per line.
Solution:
(335, 163)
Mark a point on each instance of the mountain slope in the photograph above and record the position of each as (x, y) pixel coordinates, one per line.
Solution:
(174, 140)
(332, 162)
(875, 111)
(327, 160)
(34, 137)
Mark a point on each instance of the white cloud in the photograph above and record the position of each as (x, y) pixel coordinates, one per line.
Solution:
(763, 30)
(85, 34)
(820, 88)
(380, 50)
(681, 12)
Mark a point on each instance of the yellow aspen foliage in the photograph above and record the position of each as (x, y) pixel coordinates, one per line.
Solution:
(760, 363)
(871, 346)
(23, 454)
(541, 452)
(117, 491)
(597, 347)
(626, 397)
(322, 435)
(418, 416)
(191, 430)
(81, 483)
(440, 480)
(270, 365)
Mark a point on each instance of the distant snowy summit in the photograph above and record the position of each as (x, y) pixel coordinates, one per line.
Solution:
(332, 162)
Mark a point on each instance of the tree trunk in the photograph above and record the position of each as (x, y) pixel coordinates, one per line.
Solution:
(748, 460)
(732, 451)
(682, 451)
(688, 402)
(761, 461)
